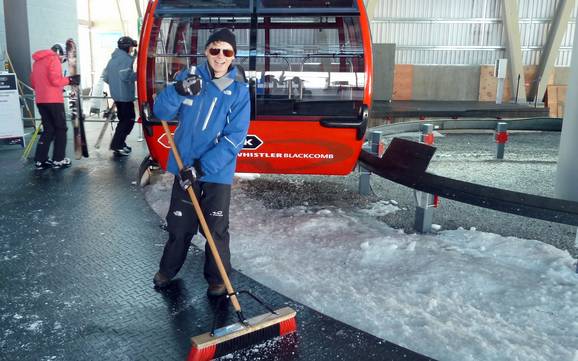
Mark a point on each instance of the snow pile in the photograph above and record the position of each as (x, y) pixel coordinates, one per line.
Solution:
(458, 295)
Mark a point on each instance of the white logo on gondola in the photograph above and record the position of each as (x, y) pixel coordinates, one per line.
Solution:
(252, 142)
(162, 140)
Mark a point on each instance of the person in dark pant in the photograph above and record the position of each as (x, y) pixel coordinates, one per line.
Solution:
(48, 83)
(212, 105)
(120, 78)
(183, 225)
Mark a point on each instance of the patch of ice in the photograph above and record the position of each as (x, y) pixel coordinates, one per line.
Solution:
(247, 176)
(34, 326)
(380, 208)
(323, 212)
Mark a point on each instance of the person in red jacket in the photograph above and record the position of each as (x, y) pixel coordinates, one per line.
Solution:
(48, 83)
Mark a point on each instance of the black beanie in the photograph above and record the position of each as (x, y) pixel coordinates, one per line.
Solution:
(224, 35)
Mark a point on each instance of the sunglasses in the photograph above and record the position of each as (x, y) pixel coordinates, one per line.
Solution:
(226, 52)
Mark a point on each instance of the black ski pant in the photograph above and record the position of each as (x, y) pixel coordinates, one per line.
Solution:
(182, 224)
(54, 129)
(126, 116)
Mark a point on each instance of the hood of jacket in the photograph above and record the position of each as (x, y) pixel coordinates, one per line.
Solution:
(120, 53)
(41, 54)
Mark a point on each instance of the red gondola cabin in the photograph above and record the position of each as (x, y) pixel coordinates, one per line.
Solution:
(308, 63)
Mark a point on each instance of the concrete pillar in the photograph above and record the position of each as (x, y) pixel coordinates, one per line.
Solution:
(557, 31)
(567, 171)
(33, 25)
(17, 39)
(2, 35)
(512, 28)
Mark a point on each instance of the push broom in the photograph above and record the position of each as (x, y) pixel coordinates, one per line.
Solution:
(246, 332)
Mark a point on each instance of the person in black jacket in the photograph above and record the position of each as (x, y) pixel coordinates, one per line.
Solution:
(120, 78)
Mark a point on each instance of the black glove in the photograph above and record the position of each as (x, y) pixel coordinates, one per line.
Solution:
(189, 86)
(74, 79)
(187, 176)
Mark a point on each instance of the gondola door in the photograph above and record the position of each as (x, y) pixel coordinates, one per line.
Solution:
(309, 90)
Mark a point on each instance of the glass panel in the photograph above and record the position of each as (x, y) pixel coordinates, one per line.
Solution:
(308, 4)
(180, 43)
(309, 60)
(206, 4)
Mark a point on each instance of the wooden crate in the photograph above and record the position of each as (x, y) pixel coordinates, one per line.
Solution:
(489, 85)
(557, 100)
(403, 82)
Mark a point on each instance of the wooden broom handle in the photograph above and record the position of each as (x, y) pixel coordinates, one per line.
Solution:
(204, 224)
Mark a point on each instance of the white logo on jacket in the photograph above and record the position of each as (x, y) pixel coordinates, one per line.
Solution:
(227, 92)
(217, 213)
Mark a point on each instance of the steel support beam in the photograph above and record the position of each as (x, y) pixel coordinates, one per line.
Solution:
(370, 6)
(90, 44)
(138, 8)
(120, 17)
(511, 24)
(550, 52)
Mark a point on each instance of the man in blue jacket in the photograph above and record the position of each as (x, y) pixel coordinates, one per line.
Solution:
(120, 78)
(213, 108)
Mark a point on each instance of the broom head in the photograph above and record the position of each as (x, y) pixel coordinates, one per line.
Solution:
(239, 335)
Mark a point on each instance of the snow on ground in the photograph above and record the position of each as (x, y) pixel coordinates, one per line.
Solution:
(455, 296)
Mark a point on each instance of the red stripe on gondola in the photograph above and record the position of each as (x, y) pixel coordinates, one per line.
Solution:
(145, 37)
(367, 50)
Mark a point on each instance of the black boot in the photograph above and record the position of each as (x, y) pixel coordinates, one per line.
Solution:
(216, 290)
(160, 280)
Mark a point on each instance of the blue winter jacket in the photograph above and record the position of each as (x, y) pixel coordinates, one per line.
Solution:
(120, 77)
(212, 125)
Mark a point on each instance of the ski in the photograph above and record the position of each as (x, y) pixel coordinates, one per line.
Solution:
(75, 103)
(109, 116)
